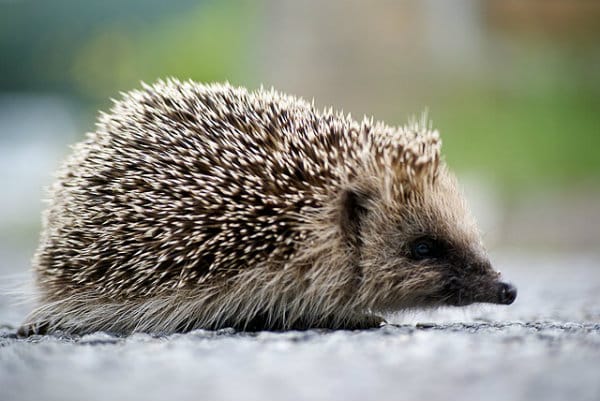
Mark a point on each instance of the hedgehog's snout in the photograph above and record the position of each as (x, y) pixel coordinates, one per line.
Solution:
(484, 289)
(498, 293)
(507, 293)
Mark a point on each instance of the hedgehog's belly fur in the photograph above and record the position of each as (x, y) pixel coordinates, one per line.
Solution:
(244, 307)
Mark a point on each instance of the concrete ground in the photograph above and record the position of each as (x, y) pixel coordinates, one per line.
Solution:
(546, 346)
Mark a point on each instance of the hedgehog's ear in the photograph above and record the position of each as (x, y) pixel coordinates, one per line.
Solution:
(353, 208)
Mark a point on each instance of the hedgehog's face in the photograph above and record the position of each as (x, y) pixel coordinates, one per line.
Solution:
(426, 252)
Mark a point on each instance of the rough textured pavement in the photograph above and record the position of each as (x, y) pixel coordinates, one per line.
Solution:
(546, 346)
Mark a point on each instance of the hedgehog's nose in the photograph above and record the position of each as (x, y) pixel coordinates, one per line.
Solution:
(507, 293)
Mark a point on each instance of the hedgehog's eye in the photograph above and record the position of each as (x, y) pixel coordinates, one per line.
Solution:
(424, 248)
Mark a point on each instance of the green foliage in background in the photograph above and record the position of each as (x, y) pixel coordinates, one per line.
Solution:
(532, 125)
(93, 50)
(538, 126)
(209, 43)
(523, 140)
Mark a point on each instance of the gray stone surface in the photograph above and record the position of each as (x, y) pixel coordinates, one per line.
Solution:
(546, 346)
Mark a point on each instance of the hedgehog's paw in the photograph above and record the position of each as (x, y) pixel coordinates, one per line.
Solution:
(366, 321)
(36, 328)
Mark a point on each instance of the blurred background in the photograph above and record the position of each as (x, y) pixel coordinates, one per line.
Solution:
(512, 85)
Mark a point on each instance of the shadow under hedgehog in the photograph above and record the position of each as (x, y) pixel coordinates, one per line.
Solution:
(208, 206)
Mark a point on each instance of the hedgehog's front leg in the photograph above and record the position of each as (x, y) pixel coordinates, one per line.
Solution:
(366, 321)
(30, 329)
(357, 322)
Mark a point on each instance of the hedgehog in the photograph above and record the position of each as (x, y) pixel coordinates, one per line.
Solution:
(206, 206)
